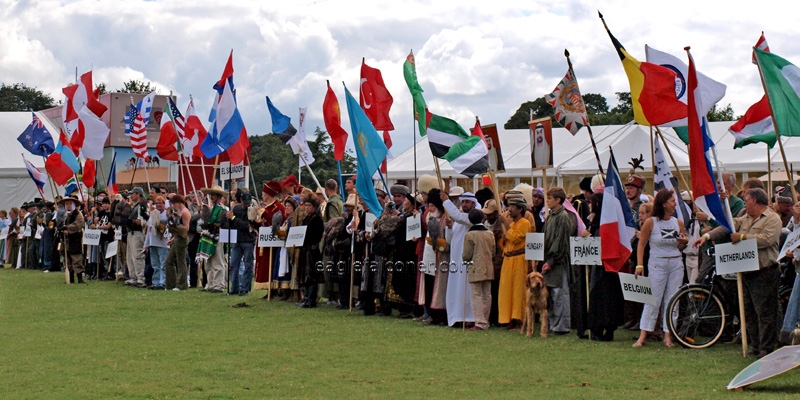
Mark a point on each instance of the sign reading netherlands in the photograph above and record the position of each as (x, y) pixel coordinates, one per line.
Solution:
(739, 257)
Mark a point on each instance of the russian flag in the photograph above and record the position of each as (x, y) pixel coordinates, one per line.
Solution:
(617, 226)
(704, 189)
(38, 176)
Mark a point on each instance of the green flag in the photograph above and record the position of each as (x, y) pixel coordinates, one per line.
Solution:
(410, 73)
(782, 84)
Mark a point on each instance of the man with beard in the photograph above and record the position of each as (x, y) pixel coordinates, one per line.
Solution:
(498, 226)
(73, 230)
(511, 292)
(178, 225)
(458, 304)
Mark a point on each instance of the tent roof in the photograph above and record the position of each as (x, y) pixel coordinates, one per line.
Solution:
(573, 155)
(12, 124)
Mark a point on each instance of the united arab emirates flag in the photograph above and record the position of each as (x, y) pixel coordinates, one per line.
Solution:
(782, 84)
(468, 155)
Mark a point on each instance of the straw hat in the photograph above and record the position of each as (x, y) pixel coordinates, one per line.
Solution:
(351, 201)
(428, 182)
(216, 189)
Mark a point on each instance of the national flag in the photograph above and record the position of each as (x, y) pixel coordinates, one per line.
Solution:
(755, 126)
(70, 186)
(443, 133)
(387, 140)
(129, 118)
(227, 124)
(39, 178)
(332, 115)
(139, 131)
(704, 190)
(95, 133)
(194, 133)
(653, 95)
(568, 106)
(67, 154)
(709, 91)
(782, 85)
(168, 145)
(374, 98)
(77, 95)
(89, 172)
(617, 226)
(420, 107)
(469, 157)
(478, 131)
(111, 181)
(219, 86)
(663, 179)
(762, 45)
(36, 138)
(240, 149)
(299, 144)
(281, 124)
(62, 163)
(370, 151)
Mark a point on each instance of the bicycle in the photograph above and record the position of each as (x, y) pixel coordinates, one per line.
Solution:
(700, 312)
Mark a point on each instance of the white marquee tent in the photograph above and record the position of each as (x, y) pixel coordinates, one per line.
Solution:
(16, 186)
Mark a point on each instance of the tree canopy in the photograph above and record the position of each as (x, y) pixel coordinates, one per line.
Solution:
(21, 97)
(137, 86)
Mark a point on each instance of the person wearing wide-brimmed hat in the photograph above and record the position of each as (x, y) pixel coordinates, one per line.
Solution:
(28, 250)
(72, 230)
(210, 249)
(137, 221)
(271, 216)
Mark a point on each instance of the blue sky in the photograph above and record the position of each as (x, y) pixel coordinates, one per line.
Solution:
(475, 58)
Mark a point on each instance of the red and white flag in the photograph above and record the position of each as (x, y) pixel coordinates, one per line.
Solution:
(762, 45)
(617, 226)
(193, 133)
(139, 131)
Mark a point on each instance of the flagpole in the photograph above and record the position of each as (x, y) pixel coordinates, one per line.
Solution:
(181, 175)
(341, 186)
(352, 250)
(675, 164)
(214, 175)
(102, 173)
(189, 172)
(775, 124)
(49, 180)
(203, 166)
(305, 161)
(769, 175)
(146, 174)
(250, 168)
(588, 126)
(652, 151)
(414, 133)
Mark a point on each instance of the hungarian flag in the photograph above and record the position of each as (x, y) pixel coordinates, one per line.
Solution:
(652, 89)
(755, 126)
(193, 133)
(782, 85)
(568, 105)
(420, 108)
(617, 226)
(332, 115)
(467, 154)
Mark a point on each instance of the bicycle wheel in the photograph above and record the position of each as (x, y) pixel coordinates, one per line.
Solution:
(698, 317)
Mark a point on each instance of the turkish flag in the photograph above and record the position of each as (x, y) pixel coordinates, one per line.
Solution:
(374, 98)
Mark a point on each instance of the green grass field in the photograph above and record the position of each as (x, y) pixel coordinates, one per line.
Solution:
(105, 340)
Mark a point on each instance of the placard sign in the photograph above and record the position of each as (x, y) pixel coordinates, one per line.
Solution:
(637, 289)
(369, 219)
(91, 237)
(739, 257)
(296, 236)
(118, 233)
(225, 233)
(111, 250)
(585, 250)
(413, 227)
(791, 243)
(534, 246)
(228, 171)
(267, 239)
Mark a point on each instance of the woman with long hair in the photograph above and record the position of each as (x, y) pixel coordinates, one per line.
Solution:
(667, 238)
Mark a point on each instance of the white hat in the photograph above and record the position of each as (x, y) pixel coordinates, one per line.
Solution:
(456, 191)
(527, 192)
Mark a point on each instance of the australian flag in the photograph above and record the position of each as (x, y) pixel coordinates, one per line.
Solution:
(37, 139)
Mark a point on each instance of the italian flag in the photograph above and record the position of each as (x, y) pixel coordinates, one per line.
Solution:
(755, 126)
(782, 85)
(449, 141)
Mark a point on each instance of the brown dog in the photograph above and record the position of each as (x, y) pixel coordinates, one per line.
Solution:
(536, 302)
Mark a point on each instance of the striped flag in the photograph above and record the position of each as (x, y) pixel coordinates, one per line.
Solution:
(663, 179)
(38, 176)
(617, 226)
(762, 45)
(172, 126)
(443, 133)
(111, 183)
(139, 130)
(468, 155)
(755, 126)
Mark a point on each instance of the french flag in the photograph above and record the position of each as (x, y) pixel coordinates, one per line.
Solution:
(38, 176)
(617, 226)
(704, 189)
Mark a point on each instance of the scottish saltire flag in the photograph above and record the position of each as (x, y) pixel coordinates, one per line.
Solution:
(38, 177)
(663, 179)
(36, 138)
(370, 152)
(617, 226)
(704, 189)
(111, 183)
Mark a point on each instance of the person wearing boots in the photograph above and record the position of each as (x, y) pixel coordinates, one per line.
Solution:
(72, 231)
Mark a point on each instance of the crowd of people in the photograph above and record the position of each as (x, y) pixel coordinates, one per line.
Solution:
(466, 268)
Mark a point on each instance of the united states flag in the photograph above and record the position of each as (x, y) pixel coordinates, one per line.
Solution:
(130, 116)
(177, 118)
(139, 130)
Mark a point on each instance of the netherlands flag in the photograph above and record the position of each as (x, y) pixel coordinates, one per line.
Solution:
(617, 226)
(704, 189)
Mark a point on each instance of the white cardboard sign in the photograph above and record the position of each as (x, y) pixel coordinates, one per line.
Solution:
(91, 237)
(118, 233)
(585, 250)
(534, 246)
(224, 233)
(791, 243)
(739, 257)
(267, 239)
(111, 250)
(228, 171)
(296, 236)
(413, 227)
(369, 219)
(637, 289)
